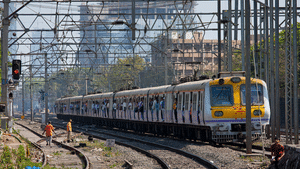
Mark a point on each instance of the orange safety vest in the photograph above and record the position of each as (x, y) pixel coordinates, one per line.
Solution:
(69, 127)
(49, 128)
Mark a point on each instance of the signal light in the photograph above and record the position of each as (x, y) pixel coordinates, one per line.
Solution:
(16, 69)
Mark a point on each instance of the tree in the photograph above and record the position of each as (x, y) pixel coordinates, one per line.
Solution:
(237, 58)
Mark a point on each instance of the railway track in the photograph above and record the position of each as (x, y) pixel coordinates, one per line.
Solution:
(71, 158)
(168, 157)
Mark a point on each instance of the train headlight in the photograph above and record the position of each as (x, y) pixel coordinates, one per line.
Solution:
(221, 81)
(257, 113)
(235, 79)
(218, 113)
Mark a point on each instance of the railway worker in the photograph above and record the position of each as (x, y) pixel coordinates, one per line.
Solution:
(175, 110)
(69, 130)
(277, 152)
(49, 129)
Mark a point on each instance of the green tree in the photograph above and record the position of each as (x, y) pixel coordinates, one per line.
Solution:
(237, 58)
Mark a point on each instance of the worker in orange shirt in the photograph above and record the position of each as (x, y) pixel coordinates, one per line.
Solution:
(49, 129)
(69, 129)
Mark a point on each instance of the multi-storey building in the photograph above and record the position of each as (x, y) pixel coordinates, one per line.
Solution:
(104, 44)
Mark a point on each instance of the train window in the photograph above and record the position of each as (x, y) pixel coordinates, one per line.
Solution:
(221, 95)
(256, 94)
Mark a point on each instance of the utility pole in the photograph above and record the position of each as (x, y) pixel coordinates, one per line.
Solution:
(31, 101)
(219, 36)
(248, 82)
(46, 89)
(23, 95)
(166, 54)
(295, 71)
(4, 49)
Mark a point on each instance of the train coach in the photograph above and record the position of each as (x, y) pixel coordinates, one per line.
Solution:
(210, 109)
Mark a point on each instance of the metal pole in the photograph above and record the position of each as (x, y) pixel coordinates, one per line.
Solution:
(248, 83)
(31, 101)
(229, 38)
(295, 71)
(266, 51)
(288, 72)
(243, 34)
(236, 19)
(271, 86)
(4, 49)
(277, 98)
(23, 95)
(86, 86)
(46, 89)
(219, 35)
(10, 107)
(133, 19)
(255, 37)
(166, 66)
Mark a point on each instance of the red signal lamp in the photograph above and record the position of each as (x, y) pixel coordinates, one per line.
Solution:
(16, 71)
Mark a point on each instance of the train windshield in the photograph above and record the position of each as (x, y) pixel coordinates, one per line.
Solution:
(256, 94)
(221, 96)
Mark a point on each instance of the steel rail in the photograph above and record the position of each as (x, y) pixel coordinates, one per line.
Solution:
(196, 158)
(38, 147)
(85, 159)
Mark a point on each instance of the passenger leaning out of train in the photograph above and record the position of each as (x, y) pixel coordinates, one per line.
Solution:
(156, 104)
(129, 107)
(277, 152)
(151, 107)
(191, 111)
(114, 110)
(175, 110)
(162, 106)
(141, 108)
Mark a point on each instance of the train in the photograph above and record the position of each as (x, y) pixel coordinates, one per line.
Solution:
(209, 109)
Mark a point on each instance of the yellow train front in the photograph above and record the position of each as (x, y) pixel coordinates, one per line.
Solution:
(226, 110)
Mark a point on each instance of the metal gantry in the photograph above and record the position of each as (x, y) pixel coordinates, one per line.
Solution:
(106, 31)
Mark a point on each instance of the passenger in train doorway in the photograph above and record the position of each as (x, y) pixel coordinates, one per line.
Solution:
(183, 118)
(151, 107)
(162, 105)
(175, 110)
(191, 111)
(156, 104)
(107, 108)
(129, 108)
(136, 108)
(141, 108)
(277, 152)
(124, 109)
(103, 109)
(114, 110)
